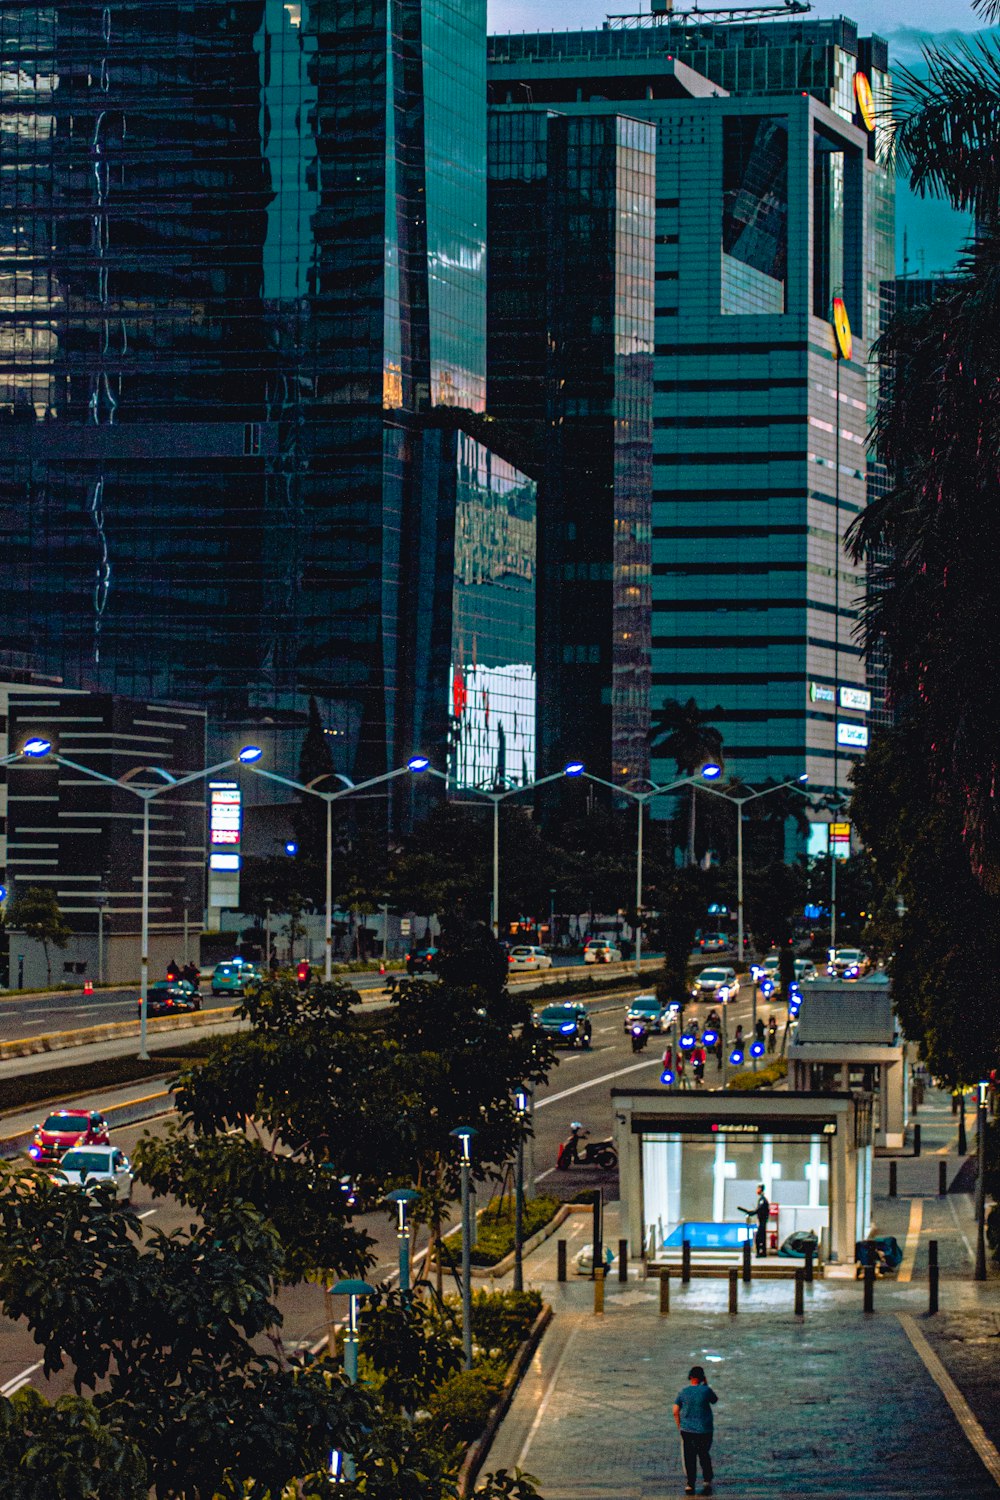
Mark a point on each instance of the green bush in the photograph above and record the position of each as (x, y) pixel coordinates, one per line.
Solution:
(459, 1409)
(764, 1078)
(501, 1321)
(495, 1229)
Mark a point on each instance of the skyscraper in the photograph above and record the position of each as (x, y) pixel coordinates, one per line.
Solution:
(773, 198)
(242, 288)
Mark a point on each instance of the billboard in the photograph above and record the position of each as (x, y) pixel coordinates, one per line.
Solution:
(225, 826)
(493, 725)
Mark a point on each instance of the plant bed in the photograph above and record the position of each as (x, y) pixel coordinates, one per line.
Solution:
(495, 1229)
(72, 1080)
(478, 1450)
(765, 1078)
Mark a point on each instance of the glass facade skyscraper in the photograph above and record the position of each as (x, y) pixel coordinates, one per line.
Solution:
(571, 228)
(772, 198)
(242, 267)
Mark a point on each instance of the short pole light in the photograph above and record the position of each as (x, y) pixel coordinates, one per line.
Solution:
(757, 1049)
(403, 1197)
(736, 1057)
(465, 1134)
(667, 1077)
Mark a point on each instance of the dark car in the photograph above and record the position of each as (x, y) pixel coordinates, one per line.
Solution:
(567, 1024)
(422, 960)
(171, 997)
(66, 1128)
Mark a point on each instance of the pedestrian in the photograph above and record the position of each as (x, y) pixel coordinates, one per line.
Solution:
(758, 1029)
(738, 1038)
(695, 1423)
(763, 1214)
(772, 1034)
(668, 1057)
(717, 1049)
(698, 1066)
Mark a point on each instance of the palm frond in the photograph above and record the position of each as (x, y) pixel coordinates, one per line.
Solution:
(946, 126)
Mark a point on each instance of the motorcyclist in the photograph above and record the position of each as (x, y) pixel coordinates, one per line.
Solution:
(772, 1034)
(640, 1037)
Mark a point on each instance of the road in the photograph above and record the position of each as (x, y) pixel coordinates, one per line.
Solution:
(578, 1089)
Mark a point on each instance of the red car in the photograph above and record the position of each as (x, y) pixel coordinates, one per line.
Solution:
(68, 1127)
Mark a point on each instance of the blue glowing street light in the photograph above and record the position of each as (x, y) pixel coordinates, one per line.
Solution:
(417, 763)
(36, 748)
(667, 1077)
(574, 768)
(711, 771)
(756, 1049)
(736, 1057)
(249, 754)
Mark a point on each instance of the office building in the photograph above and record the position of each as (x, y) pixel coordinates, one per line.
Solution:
(570, 364)
(78, 837)
(773, 198)
(242, 275)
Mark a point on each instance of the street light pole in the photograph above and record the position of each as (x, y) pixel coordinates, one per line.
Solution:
(522, 1107)
(403, 1197)
(144, 939)
(353, 1291)
(465, 1134)
(328, 913)
(640, 808)
(496, 867)
(980, 1272)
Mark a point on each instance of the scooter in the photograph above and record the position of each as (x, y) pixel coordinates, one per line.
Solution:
(640, 1036)
(594, 1153)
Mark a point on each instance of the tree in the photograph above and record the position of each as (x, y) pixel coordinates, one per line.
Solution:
(774, 896)
(166, 1331)
(931, 538)
(37, 914)
(684, 732)
(685, 899)
(65, 1449)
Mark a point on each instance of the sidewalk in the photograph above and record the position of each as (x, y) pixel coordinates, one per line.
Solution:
(894, 1405)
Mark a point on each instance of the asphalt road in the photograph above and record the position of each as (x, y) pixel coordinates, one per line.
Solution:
(578, 1089)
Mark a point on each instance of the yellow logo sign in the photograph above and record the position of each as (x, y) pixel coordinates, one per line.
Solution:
(842, 328)
(866, 104)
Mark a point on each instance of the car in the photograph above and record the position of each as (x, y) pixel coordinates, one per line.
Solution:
(805, 970)
(66, 1128)
(525, 957)
(422, 960)
(715, 984)
(93, 1166)
(647, 1011)
(170, 997)
(847, 963)
(233, 977)
(567, 1024)
(713, 942)
(598, 951)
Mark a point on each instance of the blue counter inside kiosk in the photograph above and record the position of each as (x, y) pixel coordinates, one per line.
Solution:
(695, 1174)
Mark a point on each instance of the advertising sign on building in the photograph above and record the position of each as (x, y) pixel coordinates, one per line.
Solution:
(855, 735)
(820, 693)
(852, 697)
(225, 824)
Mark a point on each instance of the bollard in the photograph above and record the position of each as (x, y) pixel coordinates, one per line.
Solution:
(942, 1178)
(664, 1293)
(809, 1263)
(560, 1260)
(598, 1289)
(686, 1262)
(623, 1260)
(734, 1282)
(916, 1140)
(933, 1275)
(869, 1289)
(747, 1271)
(598, 1231)
(963, 1142)
(892, 1179)
(800, 1285)
(954, 1104)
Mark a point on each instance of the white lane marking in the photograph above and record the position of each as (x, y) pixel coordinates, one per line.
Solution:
(593, 1082)
(147, 1213)
(951, 1393)
(18, 1380)
(544, 1405)
(602, 1029)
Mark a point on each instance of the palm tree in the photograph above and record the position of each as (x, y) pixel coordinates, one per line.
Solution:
(931, 541)
(685, 732)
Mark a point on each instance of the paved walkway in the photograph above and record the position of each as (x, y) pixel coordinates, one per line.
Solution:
(836, 1403)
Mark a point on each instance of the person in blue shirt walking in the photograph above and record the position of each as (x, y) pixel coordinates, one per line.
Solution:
(693, 1415)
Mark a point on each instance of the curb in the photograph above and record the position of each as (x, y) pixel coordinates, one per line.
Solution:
(533, 1241)
(111, 1031)
(476, 1455)
(133, 1112)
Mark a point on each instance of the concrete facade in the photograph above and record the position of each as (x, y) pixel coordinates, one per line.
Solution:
(847, 1036)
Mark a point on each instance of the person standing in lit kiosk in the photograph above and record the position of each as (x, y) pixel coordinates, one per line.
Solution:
(763, 1213)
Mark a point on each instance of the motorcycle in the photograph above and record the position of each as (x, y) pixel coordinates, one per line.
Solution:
(594, 1153)
(640, 1036)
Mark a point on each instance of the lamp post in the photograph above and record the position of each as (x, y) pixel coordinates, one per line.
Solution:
(403, 1197)
(574, 769)
(147, 792)
(353, 1291)
(980, 1272)
(739, 802)
(415, 764)
(464, 1135)
(640, 799)
(521, 1099)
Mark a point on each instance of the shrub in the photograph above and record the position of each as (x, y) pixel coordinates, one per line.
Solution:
(501, 1321)
(495, 1229)
(764, 1078)
(460, 1406)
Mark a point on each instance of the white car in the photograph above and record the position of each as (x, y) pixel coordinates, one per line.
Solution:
(525, 957)
(599, 952)
(716, 984)
(847, 963)
(93, 1166)
(805, 970)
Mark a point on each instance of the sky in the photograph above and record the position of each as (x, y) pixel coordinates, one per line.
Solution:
(934, 234)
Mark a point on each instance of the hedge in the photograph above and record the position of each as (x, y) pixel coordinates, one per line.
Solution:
(764, 1078)
(495, 1229)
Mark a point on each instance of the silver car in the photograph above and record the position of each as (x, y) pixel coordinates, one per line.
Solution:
(93, 1166)
(716, 984)
(524, 956)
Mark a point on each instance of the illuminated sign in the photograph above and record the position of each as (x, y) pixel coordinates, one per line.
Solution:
(866, 104)
(821, 694)
(223, 861)
(840, 832)
(852, 697)
(855, 735)
(493, 725)
(842, 329)
(224, 820)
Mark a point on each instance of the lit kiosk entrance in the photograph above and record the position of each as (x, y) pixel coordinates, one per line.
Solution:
(694, 1160)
